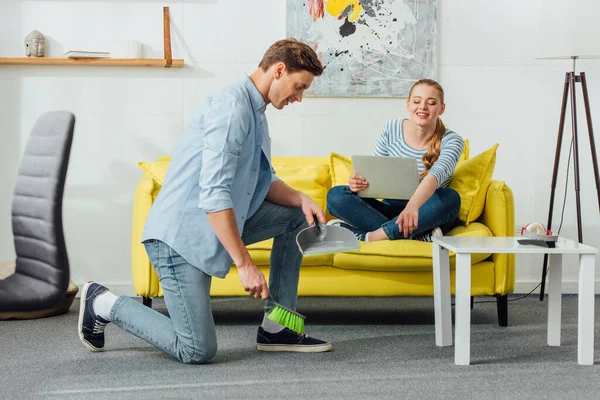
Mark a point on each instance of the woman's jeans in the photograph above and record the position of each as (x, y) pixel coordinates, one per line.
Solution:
(441, 210)
(189, 333)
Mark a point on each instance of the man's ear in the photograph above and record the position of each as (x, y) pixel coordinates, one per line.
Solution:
(279, 70)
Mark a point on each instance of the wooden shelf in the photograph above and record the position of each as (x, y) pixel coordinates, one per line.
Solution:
(166, 62)
(117, 62)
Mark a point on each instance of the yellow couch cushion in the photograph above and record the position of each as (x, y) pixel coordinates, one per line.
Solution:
(341, 169)
(301, 161)
(471, 180)
(309, 179)
(261, 255)
(403, 255)
(155, 169)
(466, 153)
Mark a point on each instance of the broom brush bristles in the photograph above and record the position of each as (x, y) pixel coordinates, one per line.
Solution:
(288, 318)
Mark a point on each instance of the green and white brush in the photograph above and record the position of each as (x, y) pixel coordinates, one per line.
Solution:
(286, 317)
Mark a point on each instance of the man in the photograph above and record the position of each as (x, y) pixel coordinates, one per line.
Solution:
(220, 183)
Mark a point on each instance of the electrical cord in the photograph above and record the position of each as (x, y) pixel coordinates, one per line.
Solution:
(562, 214)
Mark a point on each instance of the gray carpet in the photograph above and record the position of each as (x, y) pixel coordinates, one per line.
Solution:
(384, 348)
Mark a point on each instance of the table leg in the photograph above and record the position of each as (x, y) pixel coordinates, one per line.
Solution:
(585, 330)
(441, 296)
(462, 298)
(554, 299)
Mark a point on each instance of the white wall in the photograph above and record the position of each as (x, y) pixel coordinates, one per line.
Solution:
(495, 92)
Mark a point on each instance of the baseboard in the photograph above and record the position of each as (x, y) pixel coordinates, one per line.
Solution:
(568, 287)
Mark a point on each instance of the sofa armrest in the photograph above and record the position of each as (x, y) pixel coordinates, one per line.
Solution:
(499, 216)
(145, 280)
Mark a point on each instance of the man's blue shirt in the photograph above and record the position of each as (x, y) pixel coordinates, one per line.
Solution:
(222, 160)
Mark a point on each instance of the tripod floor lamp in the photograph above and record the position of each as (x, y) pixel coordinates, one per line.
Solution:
(569, 30)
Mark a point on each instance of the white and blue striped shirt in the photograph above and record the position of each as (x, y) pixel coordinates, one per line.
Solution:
(391, 143)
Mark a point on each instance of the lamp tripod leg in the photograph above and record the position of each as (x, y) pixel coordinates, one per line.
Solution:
(576, 156)
(588, 117)
(561, 126)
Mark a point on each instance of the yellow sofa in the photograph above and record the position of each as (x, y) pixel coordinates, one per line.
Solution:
(386, 268)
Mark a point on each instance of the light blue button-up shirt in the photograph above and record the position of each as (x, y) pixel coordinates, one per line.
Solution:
(222, 160)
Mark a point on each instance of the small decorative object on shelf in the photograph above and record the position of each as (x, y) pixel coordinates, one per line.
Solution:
(35, 43)
(86, 54)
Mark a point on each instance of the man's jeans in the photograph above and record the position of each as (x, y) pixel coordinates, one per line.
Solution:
(189, 334)
(441, 210)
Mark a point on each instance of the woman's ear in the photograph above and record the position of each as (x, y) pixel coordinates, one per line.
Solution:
(442, 109)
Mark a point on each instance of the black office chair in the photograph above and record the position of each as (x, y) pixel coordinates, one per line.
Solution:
(40, 285)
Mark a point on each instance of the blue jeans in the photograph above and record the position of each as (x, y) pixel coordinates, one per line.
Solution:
(189, 333)
(367, 215)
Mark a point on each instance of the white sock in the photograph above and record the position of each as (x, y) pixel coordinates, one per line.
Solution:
(271, 326)
(367, 236)
(103, 304)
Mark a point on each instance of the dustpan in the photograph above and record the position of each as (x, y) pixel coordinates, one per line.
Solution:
(326, 239)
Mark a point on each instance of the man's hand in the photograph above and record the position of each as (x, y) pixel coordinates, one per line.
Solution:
(310, 209)
(357, 183)
(408, 220)
(224, 225)
(253, 281)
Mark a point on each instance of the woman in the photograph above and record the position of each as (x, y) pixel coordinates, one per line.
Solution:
(433, 208)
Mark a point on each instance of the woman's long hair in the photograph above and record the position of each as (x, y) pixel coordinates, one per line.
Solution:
(435, 144)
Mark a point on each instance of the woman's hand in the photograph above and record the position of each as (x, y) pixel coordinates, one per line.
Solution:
(408, 220)
(357, 183)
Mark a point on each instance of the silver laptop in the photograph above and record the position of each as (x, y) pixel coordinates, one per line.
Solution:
(388, 177)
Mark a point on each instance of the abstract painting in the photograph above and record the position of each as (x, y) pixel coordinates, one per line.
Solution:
(371, 48)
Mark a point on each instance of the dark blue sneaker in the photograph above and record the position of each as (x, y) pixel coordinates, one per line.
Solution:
(359, 233)
(287, 340)
(91, 326)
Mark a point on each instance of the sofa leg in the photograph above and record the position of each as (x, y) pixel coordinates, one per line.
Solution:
(147, 301)
(502, 305)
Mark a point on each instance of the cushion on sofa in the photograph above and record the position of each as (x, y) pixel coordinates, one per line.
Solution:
(261, 255)
(471, 180)
(466, 153)
(310, 179)
(155, 169)
(341, 169)
(403, 255)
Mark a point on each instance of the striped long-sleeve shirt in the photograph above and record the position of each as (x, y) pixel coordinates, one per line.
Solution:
(391, 143)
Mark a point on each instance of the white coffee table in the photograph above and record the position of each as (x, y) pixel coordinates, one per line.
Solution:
(465, 246)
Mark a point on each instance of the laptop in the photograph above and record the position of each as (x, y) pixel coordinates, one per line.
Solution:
(388, 177)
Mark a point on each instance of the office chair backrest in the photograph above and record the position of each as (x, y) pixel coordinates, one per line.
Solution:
(37, 202)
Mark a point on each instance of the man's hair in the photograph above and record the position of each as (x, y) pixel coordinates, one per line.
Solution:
(296, 56)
